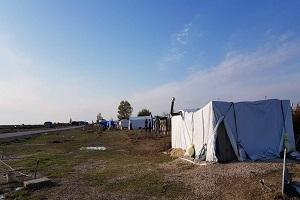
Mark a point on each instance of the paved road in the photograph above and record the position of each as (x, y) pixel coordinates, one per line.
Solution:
(26, 134)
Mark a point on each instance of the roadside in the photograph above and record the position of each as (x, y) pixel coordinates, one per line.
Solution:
(26, 134)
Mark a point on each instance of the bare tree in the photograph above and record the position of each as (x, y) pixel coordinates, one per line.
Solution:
(99, 118)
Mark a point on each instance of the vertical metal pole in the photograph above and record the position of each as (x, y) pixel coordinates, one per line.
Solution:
(172, 106)
(283, 172)
(37, 163)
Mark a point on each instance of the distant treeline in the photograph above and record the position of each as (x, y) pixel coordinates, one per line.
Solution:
(15, 128)
(21, 126)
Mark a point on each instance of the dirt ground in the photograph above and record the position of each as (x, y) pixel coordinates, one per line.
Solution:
(134, 166)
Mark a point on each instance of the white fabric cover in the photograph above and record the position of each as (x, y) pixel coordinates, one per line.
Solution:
(124, 123)
(254, 127)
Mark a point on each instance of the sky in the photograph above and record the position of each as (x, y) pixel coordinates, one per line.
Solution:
(63, 59)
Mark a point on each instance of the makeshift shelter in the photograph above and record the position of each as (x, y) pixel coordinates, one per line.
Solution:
(123, 124)
(110, 124)
(103, 123)
(48, 124)
(162, 125)
(228, 131)
(137, 122)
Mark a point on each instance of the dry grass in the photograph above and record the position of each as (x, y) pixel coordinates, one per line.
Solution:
(133, 167)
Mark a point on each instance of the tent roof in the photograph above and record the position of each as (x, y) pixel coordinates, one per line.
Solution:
(216, 103)
(139, 118)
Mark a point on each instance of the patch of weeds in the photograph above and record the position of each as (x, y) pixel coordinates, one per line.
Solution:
(22, 194)
(55, 165)
(26, 195)
(150, 184)
(96, 179)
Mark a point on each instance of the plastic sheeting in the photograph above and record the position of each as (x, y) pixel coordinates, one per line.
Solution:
(255, 128)
(137, 122)
(93, 148)
(124, 123)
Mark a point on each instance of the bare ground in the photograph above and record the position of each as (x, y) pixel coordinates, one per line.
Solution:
(134, 167)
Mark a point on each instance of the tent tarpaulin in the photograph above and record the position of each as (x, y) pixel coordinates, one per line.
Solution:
(138, 122)
(124, 123)
(256, 128)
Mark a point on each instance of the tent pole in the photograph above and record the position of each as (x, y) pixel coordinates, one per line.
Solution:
(283, 172)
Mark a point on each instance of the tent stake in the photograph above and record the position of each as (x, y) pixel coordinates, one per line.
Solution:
(283, 172)
(200, 164)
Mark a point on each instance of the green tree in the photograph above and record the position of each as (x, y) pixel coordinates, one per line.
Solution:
(144, 112)
(124, 110)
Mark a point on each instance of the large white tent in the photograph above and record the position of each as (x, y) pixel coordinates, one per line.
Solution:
(236, 131)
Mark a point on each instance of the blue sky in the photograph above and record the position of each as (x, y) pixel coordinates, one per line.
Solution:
(62, 59)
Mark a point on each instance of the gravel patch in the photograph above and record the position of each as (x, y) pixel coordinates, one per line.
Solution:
(238, 180)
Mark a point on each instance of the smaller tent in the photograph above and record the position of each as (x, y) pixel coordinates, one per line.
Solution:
(123, 124)
(229, 131)
(103, 124)
(137, 122)
(111, 124)
(48, 124)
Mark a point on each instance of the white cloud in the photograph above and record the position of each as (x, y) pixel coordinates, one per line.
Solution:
(182, 36)
(274, 36)
(285, 36)
(176, 51)
(26, 96)
(271, 70)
